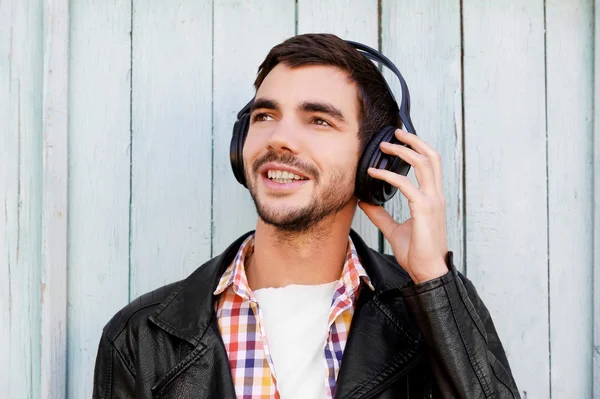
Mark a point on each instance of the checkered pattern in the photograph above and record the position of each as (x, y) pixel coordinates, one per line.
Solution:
(239, 318)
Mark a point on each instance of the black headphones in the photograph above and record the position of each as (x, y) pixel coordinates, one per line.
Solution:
(367, 189)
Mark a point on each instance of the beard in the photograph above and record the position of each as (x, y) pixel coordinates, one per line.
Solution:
(326, 201)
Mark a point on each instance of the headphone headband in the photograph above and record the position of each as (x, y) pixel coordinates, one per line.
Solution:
(404, 106)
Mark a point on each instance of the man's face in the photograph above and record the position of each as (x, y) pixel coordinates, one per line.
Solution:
(304, 121)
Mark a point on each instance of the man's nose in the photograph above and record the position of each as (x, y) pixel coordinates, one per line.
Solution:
(285, 136)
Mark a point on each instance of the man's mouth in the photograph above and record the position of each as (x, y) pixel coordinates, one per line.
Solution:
(283, 176)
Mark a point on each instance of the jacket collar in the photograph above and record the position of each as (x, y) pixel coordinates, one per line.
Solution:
(188, 311)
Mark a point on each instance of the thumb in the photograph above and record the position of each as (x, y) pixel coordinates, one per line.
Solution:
(379, 216)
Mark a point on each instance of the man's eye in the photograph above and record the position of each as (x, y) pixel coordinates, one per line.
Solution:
(261, 117)
(321, 122)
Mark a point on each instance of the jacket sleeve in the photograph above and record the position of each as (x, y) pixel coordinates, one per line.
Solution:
(465, 352)
(113, 377)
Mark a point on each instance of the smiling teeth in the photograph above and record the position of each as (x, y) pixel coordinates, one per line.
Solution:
(283, 176)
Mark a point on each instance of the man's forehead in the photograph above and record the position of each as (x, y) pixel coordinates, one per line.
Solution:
(309, 83)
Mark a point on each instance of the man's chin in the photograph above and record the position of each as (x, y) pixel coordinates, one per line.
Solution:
(284, 217)
(288, 224)
(279, 215)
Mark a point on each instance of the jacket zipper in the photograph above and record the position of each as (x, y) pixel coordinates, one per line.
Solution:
(386, 384)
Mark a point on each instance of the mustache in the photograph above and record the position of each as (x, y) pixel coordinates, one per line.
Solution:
(286, 159)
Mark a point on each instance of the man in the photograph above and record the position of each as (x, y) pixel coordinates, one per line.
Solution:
(301, 307)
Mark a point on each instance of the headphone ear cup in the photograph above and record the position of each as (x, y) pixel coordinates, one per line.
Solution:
(372, 190)
(236, 148)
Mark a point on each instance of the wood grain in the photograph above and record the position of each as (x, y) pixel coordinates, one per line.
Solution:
(506, 197)
(244, 32)
(171, 141)
(423, 39)
(21, 87)
(358, 23)
(596, 207)
(569, 68)
(55, 176)
(99, 139)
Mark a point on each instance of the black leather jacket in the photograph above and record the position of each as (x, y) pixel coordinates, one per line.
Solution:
(430, 340)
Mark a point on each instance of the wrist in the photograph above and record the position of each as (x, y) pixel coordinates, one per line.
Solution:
(431, 272)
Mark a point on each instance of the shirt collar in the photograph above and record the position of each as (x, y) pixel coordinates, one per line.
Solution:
(236, 273)
(352, 273)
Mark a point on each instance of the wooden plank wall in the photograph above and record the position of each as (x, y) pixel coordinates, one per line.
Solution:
(99, 178)
(125, 108)
(171, 143)
(505, 176)
(596, 206)
(569, 116)
(55, 175)
(21, 88)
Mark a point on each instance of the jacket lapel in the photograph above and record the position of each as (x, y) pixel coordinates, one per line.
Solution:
(188, 314)
(383, 343)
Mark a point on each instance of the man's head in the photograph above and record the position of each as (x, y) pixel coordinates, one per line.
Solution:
(318, 103)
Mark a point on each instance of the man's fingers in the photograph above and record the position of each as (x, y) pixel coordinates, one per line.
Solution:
(380, 217)
(403, 183)
(423, 148)
(421, 163)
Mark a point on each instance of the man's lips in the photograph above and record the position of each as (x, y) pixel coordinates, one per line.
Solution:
(275, 186)
(263, 170)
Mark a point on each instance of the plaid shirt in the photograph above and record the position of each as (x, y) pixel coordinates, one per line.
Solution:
(239, 318)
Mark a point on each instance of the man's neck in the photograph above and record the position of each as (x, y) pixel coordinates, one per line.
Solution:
(313, 257)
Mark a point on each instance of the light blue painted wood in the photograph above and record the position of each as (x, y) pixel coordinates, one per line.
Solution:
(505, 157)
(20, 192)
(99, 83)
(569, 66)
(358, 23)
(244, 32)
(596, 206)
(9, 145)
(54, 206)
(171, 141)
(423, 39)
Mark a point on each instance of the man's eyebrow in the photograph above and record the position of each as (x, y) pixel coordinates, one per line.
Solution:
(325, 108)
(265, 103)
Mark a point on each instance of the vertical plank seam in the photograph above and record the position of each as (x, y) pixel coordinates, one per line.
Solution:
(379, 27)
(130, 146)
(212, 134)
(547, 201)
(295, 17)
(463, 207)
(595, 213)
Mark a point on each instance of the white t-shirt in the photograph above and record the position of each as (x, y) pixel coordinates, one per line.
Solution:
(295, 321)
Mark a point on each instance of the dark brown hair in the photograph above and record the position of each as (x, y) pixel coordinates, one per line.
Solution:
(377, 106)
